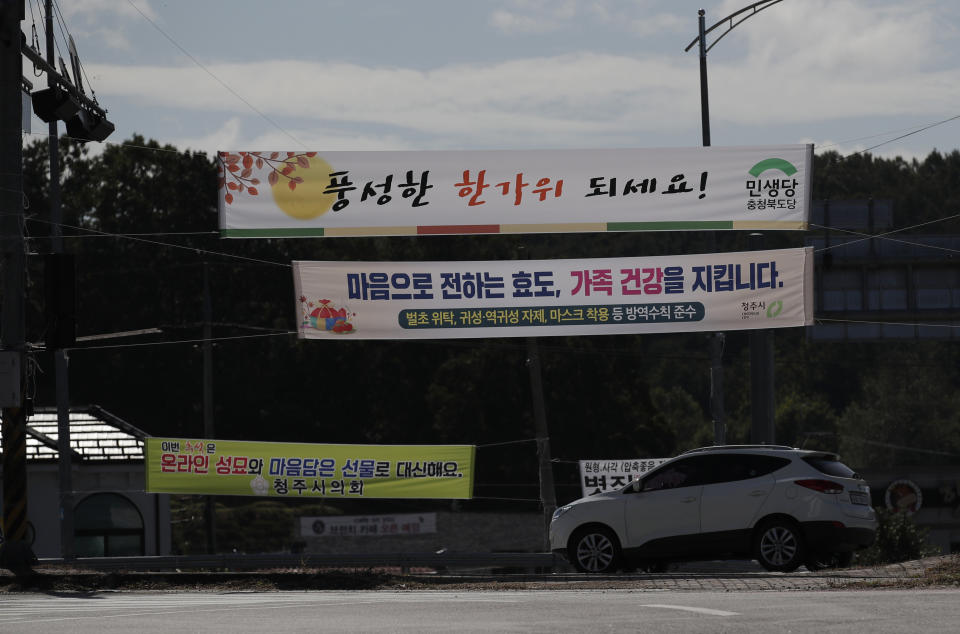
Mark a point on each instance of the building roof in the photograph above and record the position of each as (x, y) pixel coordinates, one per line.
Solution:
(95, 434)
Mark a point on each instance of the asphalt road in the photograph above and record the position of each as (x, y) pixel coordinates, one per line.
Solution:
(874, 611)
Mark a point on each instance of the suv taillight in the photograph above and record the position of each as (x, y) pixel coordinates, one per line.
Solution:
(822, 486)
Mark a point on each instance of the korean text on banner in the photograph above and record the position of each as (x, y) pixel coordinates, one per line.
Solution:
(408, 524)
(600, 476)
(533, 298)
(329, 194)
(229, 467)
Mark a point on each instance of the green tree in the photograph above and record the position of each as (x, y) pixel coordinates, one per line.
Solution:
(907, 412)
(141, 218)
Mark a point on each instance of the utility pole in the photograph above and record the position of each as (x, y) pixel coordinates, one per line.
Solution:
(209, 506)
(87, 121)
(761, 341)
(548, 496)
(762, 405)
(15, 553)
(61, 369)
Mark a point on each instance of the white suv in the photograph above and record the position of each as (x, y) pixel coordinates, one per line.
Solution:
(782, 506)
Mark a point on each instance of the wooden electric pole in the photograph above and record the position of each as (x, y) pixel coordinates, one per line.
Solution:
(15, 552)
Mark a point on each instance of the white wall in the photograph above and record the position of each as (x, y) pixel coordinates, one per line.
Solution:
(43, 506)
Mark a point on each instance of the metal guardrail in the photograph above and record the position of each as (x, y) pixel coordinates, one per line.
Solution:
(233, 561)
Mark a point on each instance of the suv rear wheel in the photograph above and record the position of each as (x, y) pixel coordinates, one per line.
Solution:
(779, 546)
(595, 549)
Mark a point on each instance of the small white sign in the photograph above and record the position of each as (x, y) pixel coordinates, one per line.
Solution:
(600, 476)
(368, 525)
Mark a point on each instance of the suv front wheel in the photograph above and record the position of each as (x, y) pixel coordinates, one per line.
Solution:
(595, 549)
(778, 546)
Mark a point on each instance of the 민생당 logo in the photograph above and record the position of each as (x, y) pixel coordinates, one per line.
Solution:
(773, 164)
(774, 191)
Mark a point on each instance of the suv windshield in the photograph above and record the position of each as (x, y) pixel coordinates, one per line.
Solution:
(831, 467)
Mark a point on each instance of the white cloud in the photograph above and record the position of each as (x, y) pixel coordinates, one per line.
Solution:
(832, 36)
(567, 95)
(646, 25)
(514, 23)
(105, 20)
(226, 136)
(233, 136)
(534, 16)
(114, 38)
(530, 98)
(799, 64)
(541, 16)
(92, 10)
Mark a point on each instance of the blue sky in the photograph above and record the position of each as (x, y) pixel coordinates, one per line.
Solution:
(329, 75)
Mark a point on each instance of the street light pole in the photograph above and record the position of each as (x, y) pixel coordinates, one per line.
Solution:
(717, 338)
(761, 341)
(704, 99)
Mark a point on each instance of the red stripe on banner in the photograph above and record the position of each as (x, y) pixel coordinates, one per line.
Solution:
(426, 230)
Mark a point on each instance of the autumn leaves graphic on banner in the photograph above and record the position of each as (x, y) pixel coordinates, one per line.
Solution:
(283, 178)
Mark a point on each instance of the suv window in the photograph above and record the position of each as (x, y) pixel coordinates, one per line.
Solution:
(733, 467)
(682, 473)
(762, 465)
(831, 466)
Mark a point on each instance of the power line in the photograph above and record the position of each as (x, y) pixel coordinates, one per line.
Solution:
(507, 442)
(883, 236)
(125, 235)
(886, 323)
(218, 80)
(183, 341)
(903, 136)
(196, 250)
(170, 150)
(878, 443)
(869, 136)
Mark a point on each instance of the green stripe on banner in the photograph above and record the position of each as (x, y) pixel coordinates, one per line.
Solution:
(272, 233)
(680, 225)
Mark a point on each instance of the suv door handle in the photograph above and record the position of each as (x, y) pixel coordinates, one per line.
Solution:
(688, 500)
(757, 493)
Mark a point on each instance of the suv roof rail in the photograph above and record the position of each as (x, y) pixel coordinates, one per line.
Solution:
(723, 447)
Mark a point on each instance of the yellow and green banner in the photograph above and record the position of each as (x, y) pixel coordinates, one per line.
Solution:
(233, 467)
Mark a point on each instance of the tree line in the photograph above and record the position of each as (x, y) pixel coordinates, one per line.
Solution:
(141, 219)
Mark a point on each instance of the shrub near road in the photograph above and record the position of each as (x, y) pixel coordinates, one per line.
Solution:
(898, 539)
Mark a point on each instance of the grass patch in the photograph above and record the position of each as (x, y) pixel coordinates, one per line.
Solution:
(945, 573)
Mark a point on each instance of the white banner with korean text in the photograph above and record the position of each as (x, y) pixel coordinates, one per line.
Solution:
(524, 298)
(317, 194)
(600, 476)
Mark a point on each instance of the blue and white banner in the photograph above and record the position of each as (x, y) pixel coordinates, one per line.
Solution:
(534, 298)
